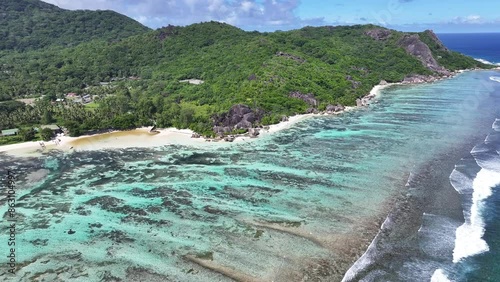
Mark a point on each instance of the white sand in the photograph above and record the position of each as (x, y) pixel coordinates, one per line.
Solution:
(138, 138)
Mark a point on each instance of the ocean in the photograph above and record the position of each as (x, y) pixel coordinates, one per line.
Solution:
(447, 246)
(481, 46)
(298, 205)
(477, 249)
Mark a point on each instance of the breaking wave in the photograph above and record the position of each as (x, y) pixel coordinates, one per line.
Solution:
(469, 237)
(486, 62)
(440, 276)
(495, 78)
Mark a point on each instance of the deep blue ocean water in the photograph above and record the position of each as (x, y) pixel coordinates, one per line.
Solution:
(485, 46)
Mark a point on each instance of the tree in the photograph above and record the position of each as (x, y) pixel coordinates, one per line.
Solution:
(27, 134)
(46, 134)
(47, 117)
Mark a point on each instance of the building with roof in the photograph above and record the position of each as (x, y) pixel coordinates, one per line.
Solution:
(53, 127)
(10, 132)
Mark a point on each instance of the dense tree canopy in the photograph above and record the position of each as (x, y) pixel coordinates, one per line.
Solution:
(33, 24)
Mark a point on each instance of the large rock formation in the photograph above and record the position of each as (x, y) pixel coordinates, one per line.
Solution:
(418, 78)
(355, 84)
(308, 98)
(379, 33)
(439, 44)
(415, 47)
(330, 109)
(239, 117)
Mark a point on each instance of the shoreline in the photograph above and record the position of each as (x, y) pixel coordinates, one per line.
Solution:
(429, 192)
(143, 138)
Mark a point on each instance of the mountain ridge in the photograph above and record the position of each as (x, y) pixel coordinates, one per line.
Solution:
(33, 24)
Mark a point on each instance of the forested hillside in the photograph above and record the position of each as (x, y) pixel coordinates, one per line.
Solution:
(138, 80)
(33, 24)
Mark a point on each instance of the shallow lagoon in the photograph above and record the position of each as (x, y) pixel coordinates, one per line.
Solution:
(303, 203)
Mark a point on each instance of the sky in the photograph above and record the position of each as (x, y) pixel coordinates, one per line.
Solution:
(442, 16)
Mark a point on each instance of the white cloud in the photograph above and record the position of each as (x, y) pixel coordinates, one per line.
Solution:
(471, 19)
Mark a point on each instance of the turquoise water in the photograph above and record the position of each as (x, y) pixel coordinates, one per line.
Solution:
(301, 203)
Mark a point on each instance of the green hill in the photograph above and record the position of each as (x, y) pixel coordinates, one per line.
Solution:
(33, 24)
(249, 78)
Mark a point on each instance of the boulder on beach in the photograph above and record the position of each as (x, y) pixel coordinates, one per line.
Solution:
(312, 111)
(254, 132)
(330, 109)
(229, 138)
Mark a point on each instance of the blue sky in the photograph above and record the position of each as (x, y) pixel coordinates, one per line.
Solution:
(443, 16)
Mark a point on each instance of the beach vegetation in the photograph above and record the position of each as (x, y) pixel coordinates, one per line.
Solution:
(46, 134)
(27, 134)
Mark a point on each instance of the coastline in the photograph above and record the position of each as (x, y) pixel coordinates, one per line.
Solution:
(429, 192)
(143, 138)
(428, 195)
(348, 247)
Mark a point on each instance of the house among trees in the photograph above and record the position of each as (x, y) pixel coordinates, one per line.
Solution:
(54, 127)
(86, 99)
(10, 132)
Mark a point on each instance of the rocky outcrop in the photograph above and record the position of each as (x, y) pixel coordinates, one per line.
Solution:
(308, 98)
(379, 33)
(312, 111)
(253, 132)
(355, 84)
(330, 109)
(166, 32)
(417, 79)
(415, 47)
(290, 56)
(365, 101)
(229, 138)
(239, 117)
(439, 44)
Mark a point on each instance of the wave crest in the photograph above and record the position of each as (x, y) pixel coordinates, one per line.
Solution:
(486, 62)
(469, 237)
(495, 78)
(439, 276)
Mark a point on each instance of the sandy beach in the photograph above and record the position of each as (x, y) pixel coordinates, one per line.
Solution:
(143, 138)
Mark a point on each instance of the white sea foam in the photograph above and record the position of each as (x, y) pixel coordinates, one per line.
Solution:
(460, 182)
(367, 258)
(495, 78)
(440, 276)
(496, 125)
(469, 237)
(481, 148)
(486, 62)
